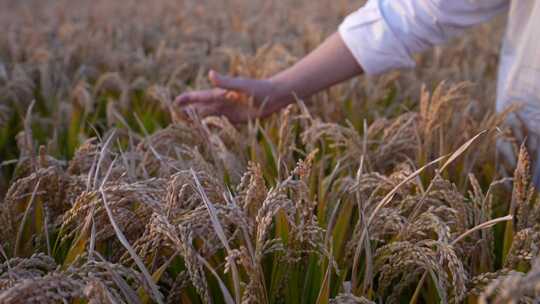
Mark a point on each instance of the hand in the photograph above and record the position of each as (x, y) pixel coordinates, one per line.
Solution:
(239, 99)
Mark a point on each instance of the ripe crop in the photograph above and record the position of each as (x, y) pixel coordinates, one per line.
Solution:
(380, 190)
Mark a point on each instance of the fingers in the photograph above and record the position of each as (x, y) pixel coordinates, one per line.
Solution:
(198, 97)
(189, 98)
(227, 88)
(230, 83)
(229, 98)
(187, 112)
(203, 103)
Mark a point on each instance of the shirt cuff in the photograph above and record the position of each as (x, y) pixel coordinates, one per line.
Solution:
(372, 42)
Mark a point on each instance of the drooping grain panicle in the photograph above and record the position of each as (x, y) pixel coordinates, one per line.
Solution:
(523, 191)
(50, 288)
(350, 299)
(15, 269)
(513, 287)
(96, 218)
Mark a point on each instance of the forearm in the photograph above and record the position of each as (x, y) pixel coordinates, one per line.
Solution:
(327, 65)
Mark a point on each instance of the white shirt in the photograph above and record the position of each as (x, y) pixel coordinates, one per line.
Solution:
(384, 34)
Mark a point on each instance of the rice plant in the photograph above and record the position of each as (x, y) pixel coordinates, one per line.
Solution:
(381, 190)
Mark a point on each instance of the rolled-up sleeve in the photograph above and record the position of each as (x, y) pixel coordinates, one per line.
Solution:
(384, 34)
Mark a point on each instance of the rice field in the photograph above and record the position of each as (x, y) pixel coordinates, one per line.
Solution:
(380, 190)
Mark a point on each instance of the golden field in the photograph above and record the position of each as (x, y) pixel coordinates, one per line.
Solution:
(380, 190)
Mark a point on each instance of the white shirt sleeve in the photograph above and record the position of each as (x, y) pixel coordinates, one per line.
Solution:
(384, 34)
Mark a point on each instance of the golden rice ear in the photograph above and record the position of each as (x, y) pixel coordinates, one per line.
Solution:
(478, 284)
(522, 194)
(512, 286)
(96, 292)
(349, 298)
(82, 98)
(230, 134)
(35, 266)
(50, 288)
(292, 236)
(110, 83)
(181, 115)
(84, 158)
(252, 189)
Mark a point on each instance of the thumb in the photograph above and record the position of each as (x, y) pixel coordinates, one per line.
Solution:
(227, 82)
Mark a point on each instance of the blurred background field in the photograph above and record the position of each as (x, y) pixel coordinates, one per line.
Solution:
(103, 189)
(85, 62)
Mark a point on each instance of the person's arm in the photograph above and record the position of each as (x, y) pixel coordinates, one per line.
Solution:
(385, 34)
(331, 63)
(328, 64)
(382, 35)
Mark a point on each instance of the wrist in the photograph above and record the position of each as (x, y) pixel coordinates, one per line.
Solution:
(281, 94)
